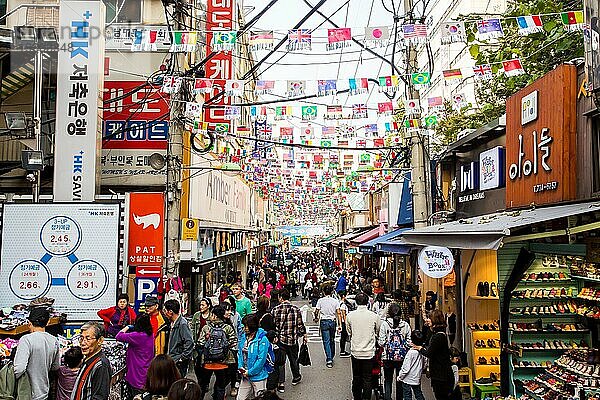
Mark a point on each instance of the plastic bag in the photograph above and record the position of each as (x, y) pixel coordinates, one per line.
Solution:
(303, 356)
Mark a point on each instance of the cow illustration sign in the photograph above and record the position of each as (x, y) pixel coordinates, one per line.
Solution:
(435, 261)
(65, 251)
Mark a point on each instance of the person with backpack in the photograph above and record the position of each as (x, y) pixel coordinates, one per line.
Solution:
(216, 345)
(345, 307)
(394, 337)
(255, 359)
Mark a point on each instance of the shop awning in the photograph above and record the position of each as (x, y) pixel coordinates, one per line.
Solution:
(394, 247)
(486, 232)
(348, 236)
(365, 237)
(370, 247)
(327, 240)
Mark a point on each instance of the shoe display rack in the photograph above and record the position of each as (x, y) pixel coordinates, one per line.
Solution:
(485, 348)
(544, 324)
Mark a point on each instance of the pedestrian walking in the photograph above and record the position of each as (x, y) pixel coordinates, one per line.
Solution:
(342, 283)
(242, 303)
(95, 374)
(217, 347)
(327, 313)
(252, 359)
(394, 337)
(363, 328)
(199, 321)
(181, 343)
(37, 354)
(162, 374)
(345, 308)
(160, 325)
(290, 328)
(412, 368)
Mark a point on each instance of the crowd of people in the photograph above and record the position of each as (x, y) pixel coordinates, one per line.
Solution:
(245, 337)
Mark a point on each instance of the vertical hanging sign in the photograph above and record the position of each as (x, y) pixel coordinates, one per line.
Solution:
(78, 97)
(219, 16)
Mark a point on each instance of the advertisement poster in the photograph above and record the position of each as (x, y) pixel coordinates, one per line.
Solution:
(146, 228)
(68, 252)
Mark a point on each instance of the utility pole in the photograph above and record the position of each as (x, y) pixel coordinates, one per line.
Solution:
(419, 158)
(37, 118)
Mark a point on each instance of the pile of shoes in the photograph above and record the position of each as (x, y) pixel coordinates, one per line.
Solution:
(493, 326)
(486, 289)
(585, 270)
(552, 344)
(589, 294)
(549, 293)
(490, 343)
(566, 307)
(116, 353)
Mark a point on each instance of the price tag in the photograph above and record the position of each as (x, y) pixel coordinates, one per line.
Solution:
(29, 279)
(87, 280)
(60, 236)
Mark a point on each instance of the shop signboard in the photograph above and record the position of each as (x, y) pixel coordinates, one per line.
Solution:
(189, 229)
(121, 37)
(406, 212)
(591, 35)
(144, 287)
(145, 228)
(436, 261)
(541, 140)
(68, 252)
(79, 82)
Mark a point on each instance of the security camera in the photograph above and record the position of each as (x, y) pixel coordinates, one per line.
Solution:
(30, 177)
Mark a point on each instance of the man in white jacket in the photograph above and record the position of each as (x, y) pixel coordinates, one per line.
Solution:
(363, 327)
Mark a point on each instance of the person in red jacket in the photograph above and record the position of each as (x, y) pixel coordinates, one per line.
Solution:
(117, 317)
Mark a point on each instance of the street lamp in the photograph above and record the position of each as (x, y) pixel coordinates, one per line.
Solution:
(16, 123)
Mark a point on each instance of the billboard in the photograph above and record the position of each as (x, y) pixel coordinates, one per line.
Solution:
(68, 252)
(80, 75)
(145, 228)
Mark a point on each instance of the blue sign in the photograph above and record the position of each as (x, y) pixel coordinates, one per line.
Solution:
(405, 215)
(144, 287)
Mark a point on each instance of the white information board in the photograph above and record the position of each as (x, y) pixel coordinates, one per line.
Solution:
(68, 252)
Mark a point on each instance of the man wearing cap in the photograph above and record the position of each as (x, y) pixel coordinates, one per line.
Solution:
(37, 354)
(160, 326)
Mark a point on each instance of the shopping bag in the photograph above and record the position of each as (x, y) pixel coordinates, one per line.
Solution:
(303, 356)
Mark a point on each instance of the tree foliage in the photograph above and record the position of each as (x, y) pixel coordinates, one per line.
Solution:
(539, 54)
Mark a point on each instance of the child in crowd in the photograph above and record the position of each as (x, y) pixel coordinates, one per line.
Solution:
(67, 373)
(455, 360)
(412, 367)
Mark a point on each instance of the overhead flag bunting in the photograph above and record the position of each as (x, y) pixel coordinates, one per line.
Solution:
(431, 121)
(202, 86)
(513, 67)
(283, 112)
(389, 84)
(232, 112)
(452, 75)
(295, 88)
(392, 126)
(415, 33)
(435, 103)
(183, 41)
(338, 38)
(327, 131)
(171, 84)
(453, 32)
(359, 111)
(371, 129)
(326, 87)
(377, 36)
(412, 106)
(299, 39)
(262, 40)
(264, 87)
(420, 80)
(326, 143)
(144, 40)
(386, 108)
(529, 24)
(234, 87)
(193, 110)
(258, 112)
(309, 113)
(334, 112)
(573, 20)
(358, 85)
(482, 72)
(459, 101)
(489, 29)
(307, 132)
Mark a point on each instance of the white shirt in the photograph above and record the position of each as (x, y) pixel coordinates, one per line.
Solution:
(328, 307)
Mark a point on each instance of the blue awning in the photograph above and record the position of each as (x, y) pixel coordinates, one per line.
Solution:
(371, 247)
(395, 247)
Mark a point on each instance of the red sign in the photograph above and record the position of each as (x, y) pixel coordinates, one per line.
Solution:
(146, 229)
(149, 271)
(138, 119)
(219, 16)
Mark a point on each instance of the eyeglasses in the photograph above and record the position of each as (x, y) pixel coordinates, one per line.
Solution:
(88, 338)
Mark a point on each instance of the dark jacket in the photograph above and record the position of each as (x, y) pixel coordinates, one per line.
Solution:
(93, 381)
(181, 343)
(438, 353)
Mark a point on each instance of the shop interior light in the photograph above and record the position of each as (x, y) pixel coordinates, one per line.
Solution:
(32, 160)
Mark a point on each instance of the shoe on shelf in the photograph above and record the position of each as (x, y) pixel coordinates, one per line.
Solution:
(480, 289)
(493, 289)
(486, 289)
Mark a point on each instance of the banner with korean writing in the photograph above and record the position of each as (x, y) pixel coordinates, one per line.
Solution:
(80, 75)
(145, 228)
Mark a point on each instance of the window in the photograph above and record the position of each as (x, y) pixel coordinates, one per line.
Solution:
(123, 11)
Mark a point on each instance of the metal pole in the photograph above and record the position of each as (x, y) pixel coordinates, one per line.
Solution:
(37, 118)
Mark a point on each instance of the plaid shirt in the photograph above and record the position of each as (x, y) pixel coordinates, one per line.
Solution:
(288, 321)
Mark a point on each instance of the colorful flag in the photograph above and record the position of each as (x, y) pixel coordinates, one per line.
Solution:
(412, 106)
(365, 158)
(391, 126)
(232, 112)
(453, 32)
(334, 112)
(295, 88)
(358, 85)
(489, 29)
(144, 40)
(171, 84)
(183, 41)
(483, 72)
(326, 143)
(573, 20)
(299, 39)
(338, 38)
(263, 129)
(436, 102)
(283, 112)
(362, 143)
(513, 67)
(529, 24)
(307, 132)
(386, 108)
(345, 130)
(379, 142)
(371, 129)
(202, 85)
(234, 87)
(360, 111)
(221, 127)
(420, 80)
(193, 110)
(415, 33)
(452, 75)
(459, 101)
(377, 36)
(326, 87)
(431, 121)
(309, 113)
(327, 131)
(389, 84)
(261, 40)
(264, 87)
(258, 112)
(411, 124)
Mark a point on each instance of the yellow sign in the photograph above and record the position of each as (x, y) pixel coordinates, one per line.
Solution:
(189, 229)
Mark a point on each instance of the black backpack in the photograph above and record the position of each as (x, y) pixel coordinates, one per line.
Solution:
(216, 346)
